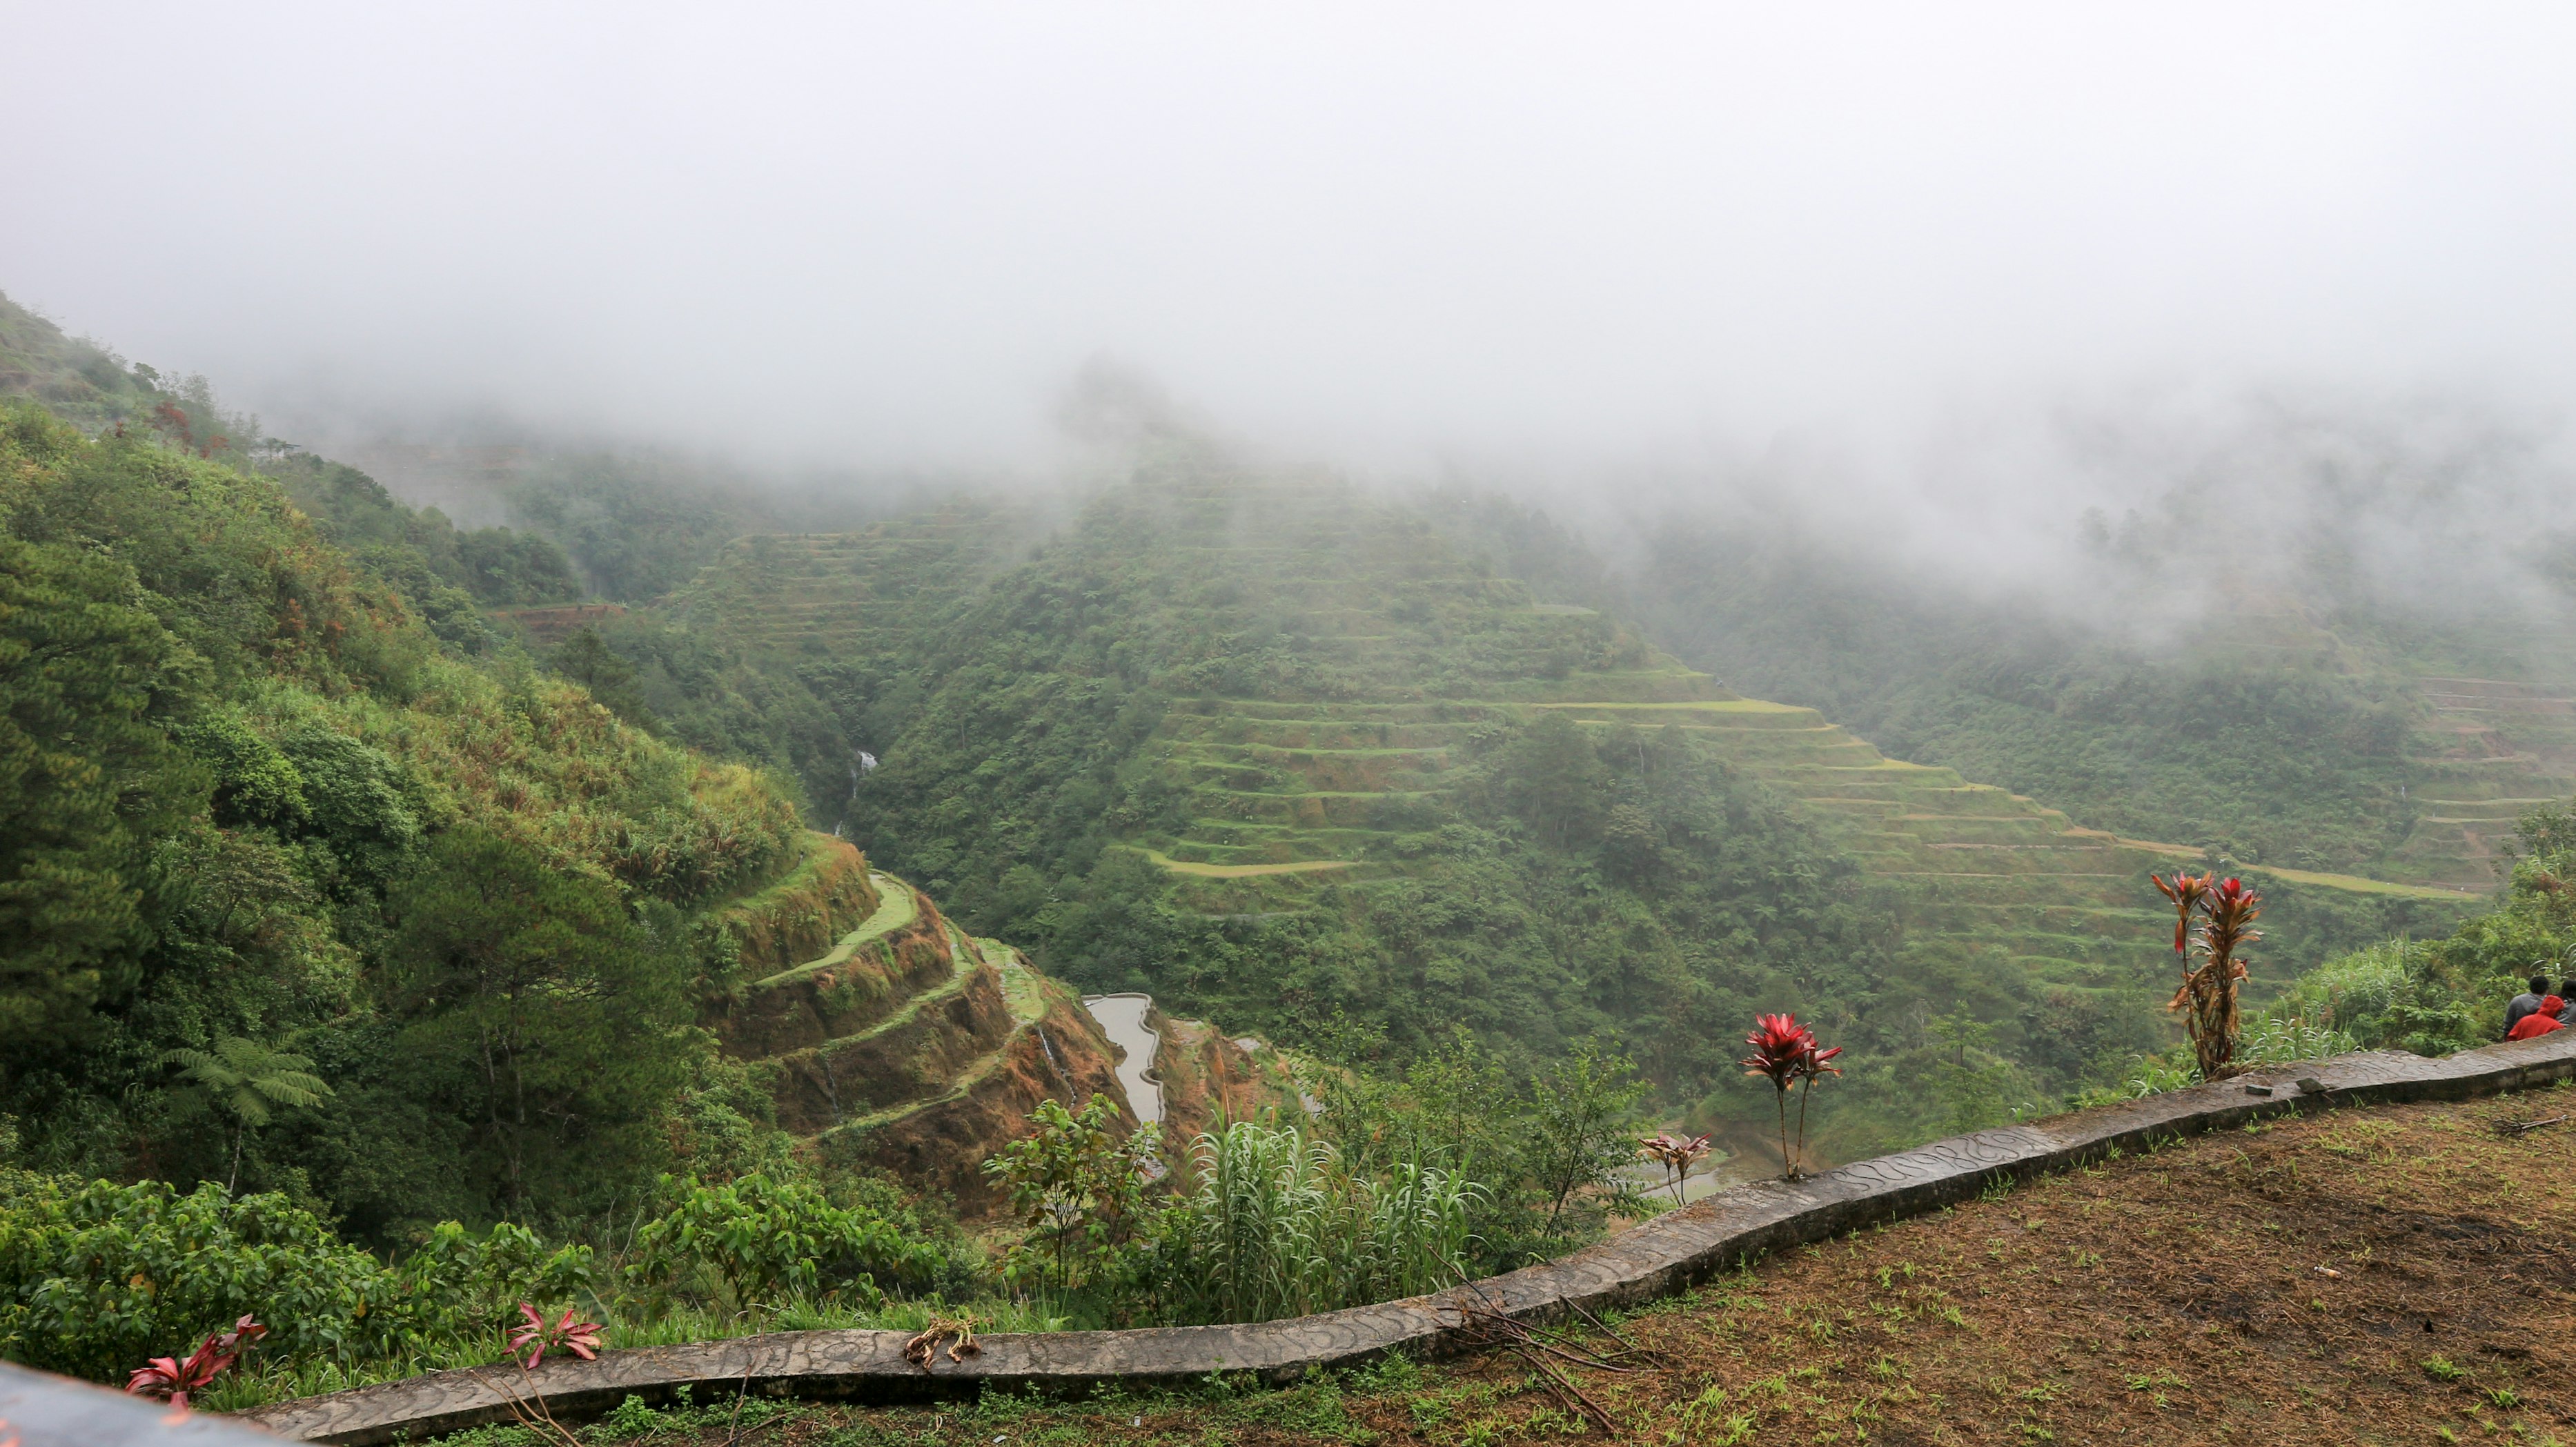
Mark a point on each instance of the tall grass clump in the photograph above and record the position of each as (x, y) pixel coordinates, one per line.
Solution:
(1277, 1225)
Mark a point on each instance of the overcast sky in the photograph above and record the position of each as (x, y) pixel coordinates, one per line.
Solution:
(889, 234)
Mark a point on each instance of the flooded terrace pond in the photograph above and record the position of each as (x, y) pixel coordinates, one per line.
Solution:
(1122, 1019)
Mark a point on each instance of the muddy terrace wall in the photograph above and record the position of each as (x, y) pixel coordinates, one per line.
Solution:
(1663, 1256)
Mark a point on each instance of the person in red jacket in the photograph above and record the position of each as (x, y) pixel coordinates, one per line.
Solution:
(2540, 1021)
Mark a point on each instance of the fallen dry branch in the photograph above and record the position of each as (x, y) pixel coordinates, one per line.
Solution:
(531, 1414)
(2513, 1128)
(1489, 1329)
(921, 1348)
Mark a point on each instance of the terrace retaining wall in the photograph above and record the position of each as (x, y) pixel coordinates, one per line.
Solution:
(1660, 1257)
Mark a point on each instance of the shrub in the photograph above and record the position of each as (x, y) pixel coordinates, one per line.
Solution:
(2393, 994)
(478, 1281)
(95, 1277)
(1078, 1188)
(2278, 1036)
(757, 1240)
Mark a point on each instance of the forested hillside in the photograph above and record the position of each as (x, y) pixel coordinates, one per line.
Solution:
(1038, 772)
(1358, 774)
(1313, 763)
(258, 811)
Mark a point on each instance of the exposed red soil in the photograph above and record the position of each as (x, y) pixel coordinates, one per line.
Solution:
(781, 928)
(942, 1148)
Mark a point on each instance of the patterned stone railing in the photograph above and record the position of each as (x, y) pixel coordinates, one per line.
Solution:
(1663, 1256)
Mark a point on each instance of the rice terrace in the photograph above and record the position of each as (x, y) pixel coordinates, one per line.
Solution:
(827, 726)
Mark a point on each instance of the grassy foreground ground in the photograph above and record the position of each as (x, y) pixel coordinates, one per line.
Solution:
(2400, 1275)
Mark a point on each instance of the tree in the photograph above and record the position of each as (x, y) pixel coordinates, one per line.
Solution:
(1078, 1186)
(1582, 1121)
(1553, 778)
(586, 659)
(540, 1010)
(242, 1079)
(85, 771)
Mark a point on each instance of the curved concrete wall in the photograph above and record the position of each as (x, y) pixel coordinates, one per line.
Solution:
(1663, 1256)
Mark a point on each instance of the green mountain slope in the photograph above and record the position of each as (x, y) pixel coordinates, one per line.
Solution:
(255, 806)
(1280, 752)
(1051, 735)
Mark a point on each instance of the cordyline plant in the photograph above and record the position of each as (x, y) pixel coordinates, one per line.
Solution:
(529, 1342)
(534, 1336)
(1786, 1053)
(174, 1379)
(1812, 1066)
(1675, 1154)
(2213, 920)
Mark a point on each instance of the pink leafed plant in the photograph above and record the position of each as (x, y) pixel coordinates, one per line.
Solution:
(535, 1336)
(175, 1379)
(1675, 1154)
(1813, 1065)
(1780, 1045)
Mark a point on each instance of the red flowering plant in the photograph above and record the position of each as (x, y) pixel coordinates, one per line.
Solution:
(1675, 1154)
(1813, 1065)
(2186, 891)
(1780, 1045)
(175, 1379)
(534, 1336)
(2213, 920)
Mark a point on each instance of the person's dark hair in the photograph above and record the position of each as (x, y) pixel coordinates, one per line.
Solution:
(2567, 991)
(2539, 984)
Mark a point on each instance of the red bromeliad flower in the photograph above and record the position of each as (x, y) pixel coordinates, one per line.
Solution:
(535, 1334)
(1780, 1049)
(172, 1379)
(2207, 995)
(1812, 1064)
(2232, 910)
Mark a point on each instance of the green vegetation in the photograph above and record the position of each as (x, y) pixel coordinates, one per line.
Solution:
(258, 811)
(95, 1277)
(1156, 684)
(2331, 732)
(2426, 996)
(374, 962)
(2433, 996)
(1400, 1185)
(1287, 756)
(1276, 1226)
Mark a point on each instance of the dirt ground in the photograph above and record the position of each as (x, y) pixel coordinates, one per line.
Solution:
(2397, 1274)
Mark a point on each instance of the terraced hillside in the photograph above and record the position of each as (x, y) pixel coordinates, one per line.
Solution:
(1295, 789)
(1286, 796)
(855, 595)
(892, 1037)
(2493, 748)
(1332, 749)
(2492, 712)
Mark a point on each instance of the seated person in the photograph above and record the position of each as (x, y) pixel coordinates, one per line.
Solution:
(2567, 992)
(2524, 1003)
(2540, 1021)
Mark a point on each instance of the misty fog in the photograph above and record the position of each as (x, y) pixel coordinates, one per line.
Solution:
(1986, 281)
